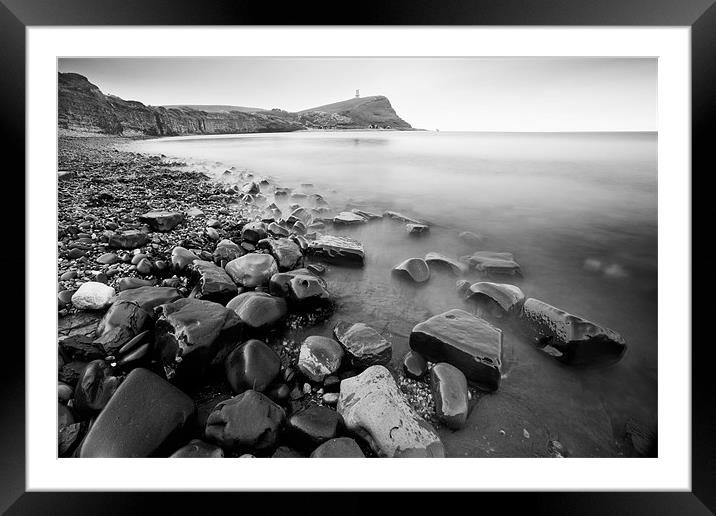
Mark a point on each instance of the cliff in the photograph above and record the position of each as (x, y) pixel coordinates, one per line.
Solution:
(83, 107)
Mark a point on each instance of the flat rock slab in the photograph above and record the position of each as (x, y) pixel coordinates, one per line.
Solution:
(286, 252)
(449, 388)
(146, 417)
(570, 338)
(468, 342)
(214, 283)
(415, 269)
(365, 346)
(252, 365)
(338, 448)
(162, 220)
(252, 270)
(131, 239)
(336, 249)
(373, 408)
(403, 218)
(319, 357)
(434, 259)
(348, 217)
(259, 310)
(508, 297)
(417, 229)
(489, 262)
(247, 422)
(366, 214)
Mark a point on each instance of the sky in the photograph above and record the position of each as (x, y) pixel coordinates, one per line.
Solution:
(458, 94)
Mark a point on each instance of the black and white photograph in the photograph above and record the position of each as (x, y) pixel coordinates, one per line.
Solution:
(357, 257)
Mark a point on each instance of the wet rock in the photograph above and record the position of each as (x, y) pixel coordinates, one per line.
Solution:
(123, 321)
(254, 231)
(316, 268)
(373, 408)
(75, 253)
(341, 250)
(95, 387)
(279, 394)
(441, 261)
(147, 416)
(402, 218)
(414, 365)
(80, 347)
(130, 283)
(68, 437)
(252, 365)
(471, 238)
(575, 340)
(64, 392)
(69, 275)
(144, 266)
(365, 346)
(313, 426)
(64, 416)
(348, 217)
(252, 270)
(468, 342)
(319, 357)
(285, 251)
(417, 229)
(131, 239)
(414, 268)
(366, 214)
(508, 298)
(162, 220)
(489, 262)
(249, 421)
(259, 310)
(298, 228)
(338, 448)
(299, 215)
(108, 259)
(251, 188)
(190, 333)
(182, 258)
(284, 452)
(278, 230)
(303, 289)
(93, 295)
(213, 282)
(212, 234)
(449, 387)
(198, 449)
(64, 298)
(148, 298)
(225, 251)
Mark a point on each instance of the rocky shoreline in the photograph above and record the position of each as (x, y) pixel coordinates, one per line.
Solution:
(176, 293)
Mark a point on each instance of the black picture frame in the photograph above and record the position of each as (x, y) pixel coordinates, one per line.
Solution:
(700, 15)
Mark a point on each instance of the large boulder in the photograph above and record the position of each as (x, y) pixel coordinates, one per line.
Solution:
(338, 448)
(319, 357)
(93, 295)
(259, 310)
(252, 365)
(146, 417)
(365, 346)
(252, 270)
(569, 337)
(189, 335)
(312, 426)
(286, 251)
(254, 231)
(300, 287)
(131, 239)
(336, 249)
(198, 449)
(415, 269)
(498, 298)
(249, 422)
(437, 260)
(490, 262)
(468, 342)
(449, 388)
(213, 281)
(162, 220)
(373, 408)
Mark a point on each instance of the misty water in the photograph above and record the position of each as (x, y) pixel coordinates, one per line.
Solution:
(578, 211)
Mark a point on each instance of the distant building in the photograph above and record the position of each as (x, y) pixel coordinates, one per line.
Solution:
(357, 94)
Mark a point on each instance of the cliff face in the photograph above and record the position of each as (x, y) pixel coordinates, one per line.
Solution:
(83, 107)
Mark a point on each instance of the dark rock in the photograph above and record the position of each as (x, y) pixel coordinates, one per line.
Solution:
(570, 338)
(449, 387)
(144, 266)
(252, 270)
(414, 365)
(225, 251)
(95, 387)
(131, 239)
(190, 333)
(64, 392)
(214, 283)
(417, 229)
(299, 215)
(147, 416)
(331, 383)
(64, 416)
(489, 262)
(348, 217)
(284, 452)
(503, 298)
(148, 298)
(80, 347)
(414, 268)
(68, 437)
(278, 230)
(468, 342)
(130, 283)
(287, 253)
(439, 260)
(198, 449)
(75, 253)
(303, 289)
(279, 394)
(123, 321)
(365, 346)
(319, 357)
(252, 365)
(70, 372)
(338, 448)
(64, 298)
(254, 231)
(341, 250)
(69, 275)
(171, 282)
(316, 268)
(182, 258)
(162, 220)
(108, 259)
(259, 310)
(312, 426)
(249, 421)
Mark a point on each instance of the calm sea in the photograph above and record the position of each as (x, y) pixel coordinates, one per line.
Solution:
(578, 211)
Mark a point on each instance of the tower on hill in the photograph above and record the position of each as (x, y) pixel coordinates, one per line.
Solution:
(357, 94)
